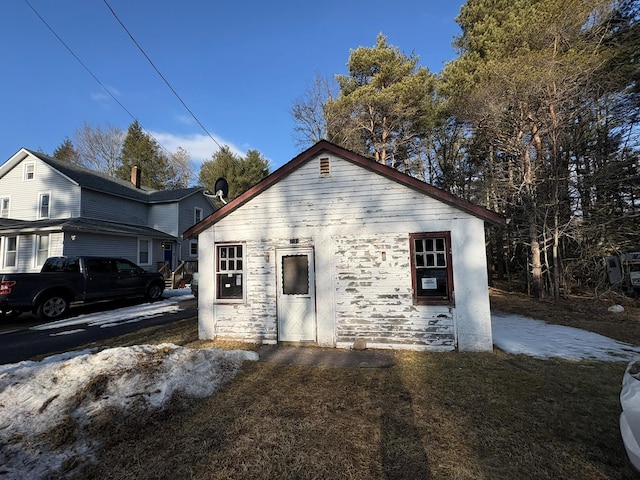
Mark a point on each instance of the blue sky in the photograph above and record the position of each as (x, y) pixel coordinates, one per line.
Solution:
(238, 66)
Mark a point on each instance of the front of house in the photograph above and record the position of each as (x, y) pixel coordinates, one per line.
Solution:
(50, 208)
(334, 248)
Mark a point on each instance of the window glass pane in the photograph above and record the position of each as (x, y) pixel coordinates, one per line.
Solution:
(430, 260)
(144, 252)
(295, 275)
(239, 251)
(4, 208)
(229, 285)
(420, 261)
(440, 244)
(429, 244)
(232, 265)
(441, 261)
(11, 252)
(43, 249)
(432, 282)
(419, 245)
(238, 264)
(223, 265)
(223, 252)
(44, 206)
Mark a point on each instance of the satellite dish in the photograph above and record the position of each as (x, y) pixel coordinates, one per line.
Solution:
(221, 188)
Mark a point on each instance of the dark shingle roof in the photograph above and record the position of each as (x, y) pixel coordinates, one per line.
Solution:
(101, 182)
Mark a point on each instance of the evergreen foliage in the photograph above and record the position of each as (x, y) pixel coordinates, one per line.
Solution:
(241, 173)
(141, 150)
(536, 119)
(66, 152)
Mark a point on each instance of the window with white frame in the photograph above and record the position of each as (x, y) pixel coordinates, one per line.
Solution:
(4, 207)
(42, 249)
(144, 251)
(431, 268)
(193, 248)
(229, 272)
(44, 205)
(197, 215)
(10, 253)
(29, 171)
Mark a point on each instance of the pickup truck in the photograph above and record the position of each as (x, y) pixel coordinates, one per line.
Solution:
(64, 280)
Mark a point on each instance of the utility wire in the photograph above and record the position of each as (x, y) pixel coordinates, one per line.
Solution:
(91, 73)
(159, 73)
(79, 61)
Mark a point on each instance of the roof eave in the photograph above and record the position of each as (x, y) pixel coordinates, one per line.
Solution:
(323, 145)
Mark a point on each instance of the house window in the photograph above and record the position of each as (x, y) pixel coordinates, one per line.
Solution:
(197, 215)
(10, 252)
(193, 248)
(29, 171)
(144, 252)
(229, 271)
(431, 269)
(43, 205)
(42, 249)
(4, 207)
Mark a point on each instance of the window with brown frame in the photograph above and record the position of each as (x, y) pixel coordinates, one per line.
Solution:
(229, 272)
(431, 269)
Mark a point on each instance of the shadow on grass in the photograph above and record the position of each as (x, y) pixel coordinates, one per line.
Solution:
(401, 450)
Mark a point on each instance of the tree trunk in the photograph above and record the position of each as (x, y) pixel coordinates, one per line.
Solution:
(536, 265)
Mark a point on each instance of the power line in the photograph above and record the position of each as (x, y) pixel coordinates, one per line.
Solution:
(93, 75)
(79, 61)
(159, 73)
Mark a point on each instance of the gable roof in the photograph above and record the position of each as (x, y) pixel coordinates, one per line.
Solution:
(100, 182)
(369, 164)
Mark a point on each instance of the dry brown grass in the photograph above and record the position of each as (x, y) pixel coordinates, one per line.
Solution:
(431, 416)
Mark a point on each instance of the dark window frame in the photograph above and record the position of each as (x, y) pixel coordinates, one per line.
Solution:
(418, 271)
(230, 275)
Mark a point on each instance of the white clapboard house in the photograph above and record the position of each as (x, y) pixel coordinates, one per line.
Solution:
(49, 207)
(334, 248)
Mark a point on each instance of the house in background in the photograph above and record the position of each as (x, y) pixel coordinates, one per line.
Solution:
(50, 208)
(333, 249)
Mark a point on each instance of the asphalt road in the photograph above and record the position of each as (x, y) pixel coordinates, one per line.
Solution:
(22, 339)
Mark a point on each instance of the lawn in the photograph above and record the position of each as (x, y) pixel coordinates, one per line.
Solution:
(431, 416)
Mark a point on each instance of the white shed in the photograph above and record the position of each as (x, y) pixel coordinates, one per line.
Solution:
(334, 248)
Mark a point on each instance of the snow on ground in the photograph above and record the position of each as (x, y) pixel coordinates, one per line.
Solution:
(85, 387)
(119, 316)
(521, 335)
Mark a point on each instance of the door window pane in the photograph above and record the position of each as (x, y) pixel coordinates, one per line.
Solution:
(295, 275)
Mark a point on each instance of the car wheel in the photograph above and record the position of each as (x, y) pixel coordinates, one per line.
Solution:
(154, 292)
(53, 306)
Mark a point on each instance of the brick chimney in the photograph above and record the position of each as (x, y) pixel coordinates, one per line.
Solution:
(136, 176)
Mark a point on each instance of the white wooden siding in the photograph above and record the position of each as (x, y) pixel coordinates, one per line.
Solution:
(65, 195)
(350, 218)
(26, 254)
